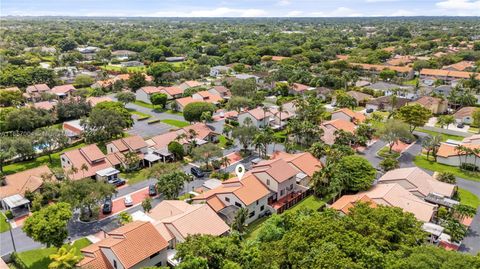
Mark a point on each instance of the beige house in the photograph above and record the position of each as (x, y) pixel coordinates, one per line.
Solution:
(258, 117)
(348, 115)
(465, 114)
(434, 104)
(136, 245)
(418, 182)
(449, 154)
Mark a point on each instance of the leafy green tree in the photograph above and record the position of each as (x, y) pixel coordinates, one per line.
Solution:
(176, 149)
(239, 222)
(73, 109)
(170, 184)
(125, 97)
(239, 102)
(83, 81)
(193, 111)
(85, 194)
(106, 121)
(7, 151)
(67, 44)
(445, 120)
(245, 135)
(158, 71)
(389, 163)
(415, 115)
(65, 258)
(158, 169)
(476, 118)
(345, 100)
(245, 87)
(447, 177)
(10, 98)
(194, 263)
(50, 139)
(136, 81)
(27, 119)
(159, 99)
(206, 153)
(431, 144)
(394, 130)
(353, 173)
(49, 225)
(124, 218)
(147, 204)
(387, 74)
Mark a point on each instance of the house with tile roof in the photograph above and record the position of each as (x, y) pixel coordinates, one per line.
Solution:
(401, 71)
(390, 194)
(434, 104)
(63, 91)
(332, 126)
(445, 75)
(418, 182)
(465, 114)
(449, 154)
(305, 164)
(12, 192)
(190, 84)
(144, 93)
(134, 143)
(460, 66)
(172, 92)
(136, 245)
(175, 220)
(221, 91)
(359, 97)
(349, 115)
(98, 165)
(297, 88)
(201, 96)
(258, 116)
(247, 192)
(384, 103)
(93, 101)
(34, 92)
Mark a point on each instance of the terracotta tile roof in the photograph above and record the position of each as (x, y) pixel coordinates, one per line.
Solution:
(186, 219)
(222, 89)
(38, 88)
(162, 141)
(460, 66)
(63, 88)
(96, 100)
(216, 204)
(387, 100)
(172, 90)
(418, 180)
(258, 113)
(183, 102)
(340, 124)
(377, 67)
(201, 129)
(209, 97)
(47, 105)
(465, 112)
(359, 96)
(130, 143)
(446, 73)
(305, 162)
(151, 89)
(131, 244)
(429, 101)
(20, 182)
(404, 60)
(346, 202)
(192, 83)
(300, 87)
(474, 139)
(448, 150)
(355, 116)
(278, 169)
(342, 57)
(89, 155)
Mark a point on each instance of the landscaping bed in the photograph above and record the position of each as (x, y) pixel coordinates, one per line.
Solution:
(384, 153)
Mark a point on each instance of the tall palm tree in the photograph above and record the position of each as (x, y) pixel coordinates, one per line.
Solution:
(225, 161)
(461, 150)
(84, 168)
(240, 219)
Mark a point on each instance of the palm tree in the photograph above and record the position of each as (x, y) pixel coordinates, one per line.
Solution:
(225, 161)
(84, 168)
(265, 110)
(460, 151)
(476, 153)
(65, 258)
(240, 220)
(72, 171)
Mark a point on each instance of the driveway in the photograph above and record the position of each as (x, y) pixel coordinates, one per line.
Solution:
(145, 130)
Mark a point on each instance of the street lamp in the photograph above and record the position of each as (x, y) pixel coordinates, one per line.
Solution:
(11, 235)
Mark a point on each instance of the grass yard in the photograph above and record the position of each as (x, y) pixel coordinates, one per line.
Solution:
(445, 137)
(311, 202)
(169, 111)
(119, 68)
(140, 115)
(4, 225)
(474, 130)
(468, 198)
(384, 153)
(421, 161)
(254, 228)
(176, 123)
(22, 166)
(222, 141)
(412, 82)
(38, 258)
(135, 177)
(143, 104)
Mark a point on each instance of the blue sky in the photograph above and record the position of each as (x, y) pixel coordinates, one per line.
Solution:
(241, 8)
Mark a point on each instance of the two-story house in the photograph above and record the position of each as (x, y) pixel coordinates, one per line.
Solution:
(258, 117)
(134, 144)
(63, 91)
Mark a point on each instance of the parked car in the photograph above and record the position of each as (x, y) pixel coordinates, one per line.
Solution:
(370, 110)
(152, 190)
(461, 125)
(107, 206)
(117, 182)
(197, 172)
(128, 200)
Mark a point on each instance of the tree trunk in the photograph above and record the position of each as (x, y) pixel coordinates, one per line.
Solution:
(50, 157)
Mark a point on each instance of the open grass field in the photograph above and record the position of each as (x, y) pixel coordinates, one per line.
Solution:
(468, 198)
(421, 161)
(176, 123)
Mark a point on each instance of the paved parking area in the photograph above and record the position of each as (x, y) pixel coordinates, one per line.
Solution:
(145, 130)
(119, 204)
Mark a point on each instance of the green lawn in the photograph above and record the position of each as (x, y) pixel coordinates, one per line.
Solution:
(176, 123)
(254, 228)
(445, 137)
(21, 166)
(473, 130)
(169, 111)
(421, 161)
(312, 202)
(468, 198)
(146, 105)
(222, 141)
(140, 115)
(119, 68)
(384, 153)
(4, 225)
(412, 82)
(135, 177)
(38, 258)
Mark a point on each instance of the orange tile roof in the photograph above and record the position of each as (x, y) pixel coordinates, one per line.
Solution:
(446, 73)
(89, 155)
(428, 101)
(172, 90)
(278, 169)
(300, 87)
(186, 100)
(355, 116)
(359, 96)
(304, 162)
(47, 105)
(162, 141)
(377, 67)
(37, 88)
(192, 83)
(131, 244)
(258, 113)
(63, 88)
(20, 182)
(341, 124)
(96, 100)
(465, 112)
(460, 66)
(448, 150)
(346, 202)
(209, 97)
(132, 143)
(151, 89)
(201, 129)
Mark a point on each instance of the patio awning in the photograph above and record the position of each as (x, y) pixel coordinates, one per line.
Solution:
(107, 172)
(151, 157)
(15, 201)
(163, 152)
(171, 257)
(432, 228)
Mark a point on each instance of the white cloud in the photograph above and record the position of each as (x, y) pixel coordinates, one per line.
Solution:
(402, 12)
(218, 12)
(294, 13)
(339, 12)
(460, 7)
(283, 3)
(378, 1)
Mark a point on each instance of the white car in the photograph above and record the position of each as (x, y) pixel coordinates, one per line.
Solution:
(128, 200)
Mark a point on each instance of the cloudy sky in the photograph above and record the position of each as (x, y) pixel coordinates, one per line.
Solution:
(241, 8)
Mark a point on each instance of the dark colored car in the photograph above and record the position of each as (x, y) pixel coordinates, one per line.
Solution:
(461, 125)
(152, 190)
(117, 182)
(197, 172)
(370, 110)
(107, 206)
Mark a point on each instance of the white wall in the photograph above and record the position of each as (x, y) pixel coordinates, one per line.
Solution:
(143, 96)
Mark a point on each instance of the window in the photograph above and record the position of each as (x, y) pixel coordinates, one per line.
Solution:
(291, 186)
(227, 199)
(257, 202)
(262, 208)
(251, 214)
(238, 204)
(115, 264)
(268, 182)
(281, 192)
